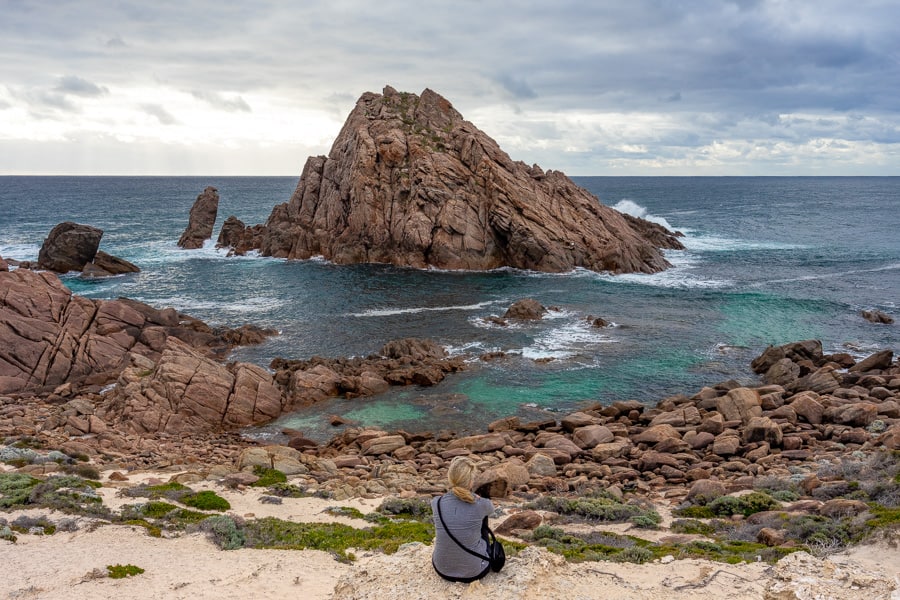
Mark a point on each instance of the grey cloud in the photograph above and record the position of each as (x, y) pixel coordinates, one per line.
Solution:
(72, 84)
(517, 87)
(161, 114)
(116, 42)
(234, 104)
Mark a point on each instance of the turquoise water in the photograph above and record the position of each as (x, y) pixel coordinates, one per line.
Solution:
(768, 260)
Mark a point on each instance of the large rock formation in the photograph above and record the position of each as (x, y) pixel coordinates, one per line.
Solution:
(410, 182)
(48, 336)
(201, 220)
(69, 247)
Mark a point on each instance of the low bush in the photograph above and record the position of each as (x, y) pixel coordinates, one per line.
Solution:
(123, 571)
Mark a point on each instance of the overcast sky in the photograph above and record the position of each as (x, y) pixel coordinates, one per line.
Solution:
(636, 87)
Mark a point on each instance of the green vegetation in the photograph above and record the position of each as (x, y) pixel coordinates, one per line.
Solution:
(268, 477)
(336, 538)
(345, 511)
(15, 488)
(205, 500)
(600, 507)
(610, 546)
(726, 506)
(123, 571)
(409, 508)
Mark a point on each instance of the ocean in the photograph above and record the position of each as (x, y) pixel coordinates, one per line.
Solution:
(768, 260)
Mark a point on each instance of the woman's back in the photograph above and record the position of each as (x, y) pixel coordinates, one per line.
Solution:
(464, 519)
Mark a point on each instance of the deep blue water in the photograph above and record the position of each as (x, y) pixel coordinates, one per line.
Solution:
(768, 260)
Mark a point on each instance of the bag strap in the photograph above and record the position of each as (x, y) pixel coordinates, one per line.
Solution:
(452, 537)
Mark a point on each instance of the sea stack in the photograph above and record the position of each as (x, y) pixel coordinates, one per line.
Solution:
(201, 220)
(410, 182)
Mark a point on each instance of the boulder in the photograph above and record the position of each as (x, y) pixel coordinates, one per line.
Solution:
(856, 414)
(541, 465)
(822, 381)
(499, 480)
(382, 445)
(525, 519)
(615, 449)
(878, 361)
(409, 182)
(704, 491)
(877, 316)
(106, 265)
(479, 443)
(810, 350)
(808, 407)
(655, 434)
(783, 372)
(69, 247)
(739, 404)
(762, 429)
(589, 436)
(525, 310)
(201, 221)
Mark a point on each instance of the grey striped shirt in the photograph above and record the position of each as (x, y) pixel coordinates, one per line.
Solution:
(464, 520)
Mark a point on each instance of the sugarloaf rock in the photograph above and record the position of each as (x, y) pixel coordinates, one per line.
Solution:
(410, 182)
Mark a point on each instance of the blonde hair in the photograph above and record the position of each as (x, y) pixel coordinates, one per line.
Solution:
(461, 475)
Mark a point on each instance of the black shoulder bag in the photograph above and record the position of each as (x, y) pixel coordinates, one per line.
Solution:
(496, 555)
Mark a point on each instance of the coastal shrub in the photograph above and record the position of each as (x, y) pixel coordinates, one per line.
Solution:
(413, 508)
(156, 509)
(692, 526)
(66, 493)
(883, 516)
(15, 488)
(345, 511)
(694, 512)
(334, 537)
(205, 500)
(171, 491)
(606, 509)
(287, 490)
(123, 571)
(224, 531)
(746, 505)
(268, 476)
(650, 519)
(818, 530)
(85, 471)
(635, 554)
(152, 530)
(33, 525)
(7, 534)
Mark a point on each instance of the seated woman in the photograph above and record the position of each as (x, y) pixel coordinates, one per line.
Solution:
(464, 513)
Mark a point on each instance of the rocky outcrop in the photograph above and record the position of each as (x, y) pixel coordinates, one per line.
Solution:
(238, 237)
(49, 337)
(410, 182)
(69, 247)
(106, 265)
(202, 220)
(186, 392)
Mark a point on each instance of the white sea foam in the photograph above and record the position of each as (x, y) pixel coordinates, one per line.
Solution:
(20, 251)
(574, 337)
(389, 312)
(705, 242)
(256, 304)
(891, 267)
(630, 207)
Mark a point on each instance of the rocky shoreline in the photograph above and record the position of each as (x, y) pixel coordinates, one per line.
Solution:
(806, 459)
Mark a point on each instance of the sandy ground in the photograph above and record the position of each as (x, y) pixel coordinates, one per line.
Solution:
(189, 566)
